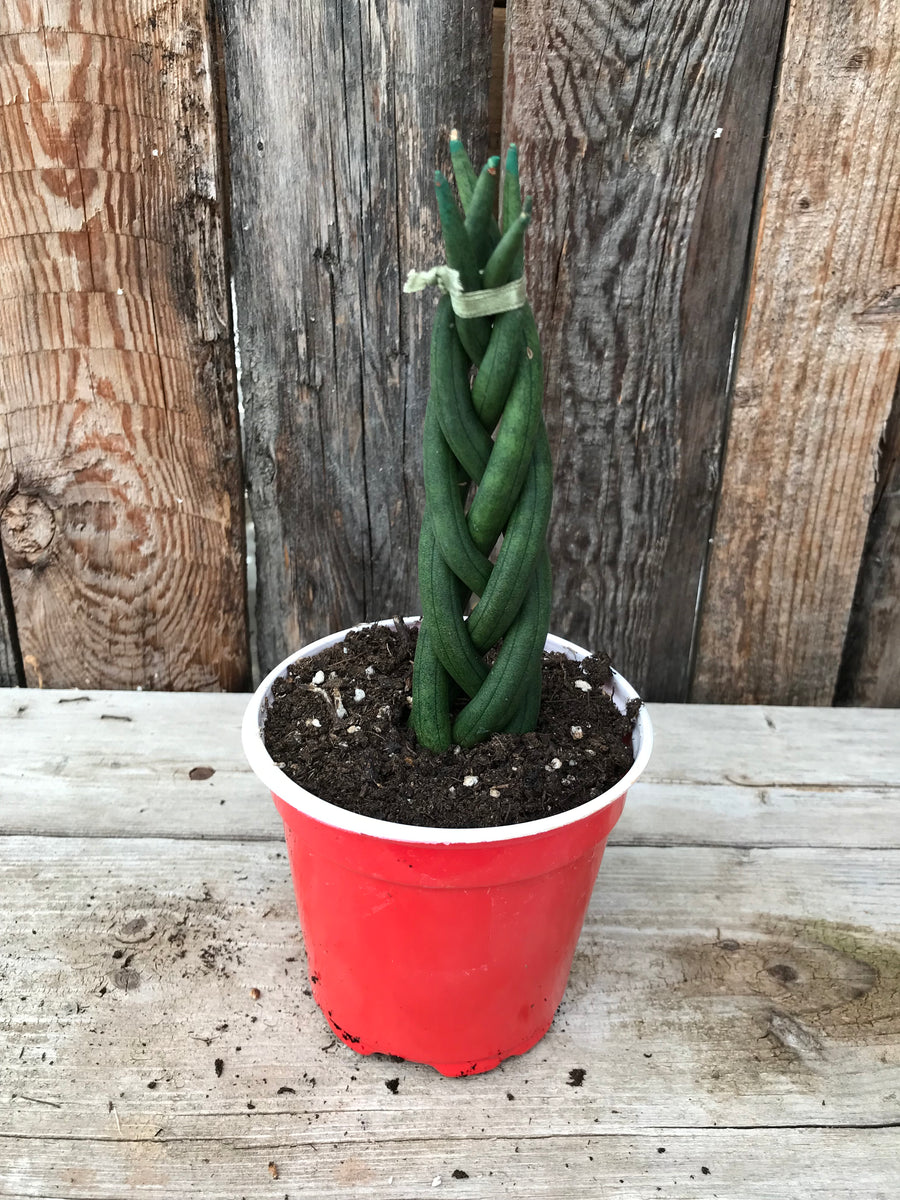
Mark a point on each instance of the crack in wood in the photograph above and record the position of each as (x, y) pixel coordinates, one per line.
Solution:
(651, 1133)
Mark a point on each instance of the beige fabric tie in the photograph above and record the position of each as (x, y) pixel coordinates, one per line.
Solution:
(486, 303)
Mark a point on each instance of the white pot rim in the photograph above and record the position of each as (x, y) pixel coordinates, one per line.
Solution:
(321, 810)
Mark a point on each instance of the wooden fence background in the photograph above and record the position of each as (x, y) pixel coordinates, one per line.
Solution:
(713, 265)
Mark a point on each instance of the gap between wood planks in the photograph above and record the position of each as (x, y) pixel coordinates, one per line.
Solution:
(634, 843)
(653, 1134)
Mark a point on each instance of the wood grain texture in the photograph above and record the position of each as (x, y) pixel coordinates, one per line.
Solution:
(640, 129)
(338, 115)
(108, 764)
(870, 668)
(742, 1164)
(120, 478)
(818, 365)
(710, 995)
(734, 1005)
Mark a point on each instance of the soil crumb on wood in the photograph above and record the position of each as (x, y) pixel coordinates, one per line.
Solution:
(576, 1076)
(338, 725)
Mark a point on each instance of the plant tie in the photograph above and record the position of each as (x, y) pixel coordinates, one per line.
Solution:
(486, 303)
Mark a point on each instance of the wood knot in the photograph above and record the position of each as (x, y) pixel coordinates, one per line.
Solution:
(127, 979)
(861, 59)
(794, 1035)
(133, 932)
(885, 306)
(783, 972)
(28, 528)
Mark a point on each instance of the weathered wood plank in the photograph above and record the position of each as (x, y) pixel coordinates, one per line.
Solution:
(114, 764)
(710, 987)
(870, 669)
(757, 747)
(120, 479)
(640, 129)
(337, 116)
(745, 1164)
(735, 1007)
(818, 365)
(10, 666)
(120, 763)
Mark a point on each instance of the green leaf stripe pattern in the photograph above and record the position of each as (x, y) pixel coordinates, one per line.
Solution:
(488, 477)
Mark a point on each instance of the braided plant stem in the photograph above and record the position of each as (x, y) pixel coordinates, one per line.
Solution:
(486, 441)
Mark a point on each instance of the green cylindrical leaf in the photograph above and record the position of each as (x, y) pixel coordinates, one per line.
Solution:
(442, 611)
(497, 699)
(450, 393)
(498, 367)
(505, 474)
(524, 540)
(508, 252)
(444, 493)
(430, 696)
(512, 205)
(463, 172)
(481, 224)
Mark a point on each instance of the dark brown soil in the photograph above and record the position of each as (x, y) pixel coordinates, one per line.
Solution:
(338, 725)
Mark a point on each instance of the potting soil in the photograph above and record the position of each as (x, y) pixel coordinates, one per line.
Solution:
(338, 725)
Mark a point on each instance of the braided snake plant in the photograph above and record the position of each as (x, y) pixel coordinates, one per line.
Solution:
(487, 473)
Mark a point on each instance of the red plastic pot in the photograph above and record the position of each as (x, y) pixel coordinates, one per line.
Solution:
(450, 947)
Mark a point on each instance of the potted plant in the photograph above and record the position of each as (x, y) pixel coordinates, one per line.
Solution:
(435, 938)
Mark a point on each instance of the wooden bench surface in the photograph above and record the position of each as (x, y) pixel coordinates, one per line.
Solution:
(734, 1003)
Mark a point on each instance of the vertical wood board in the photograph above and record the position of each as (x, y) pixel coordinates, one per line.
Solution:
(120, 477)
(870, 669)
(338, 115)
(818, 365)
(640, 132)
